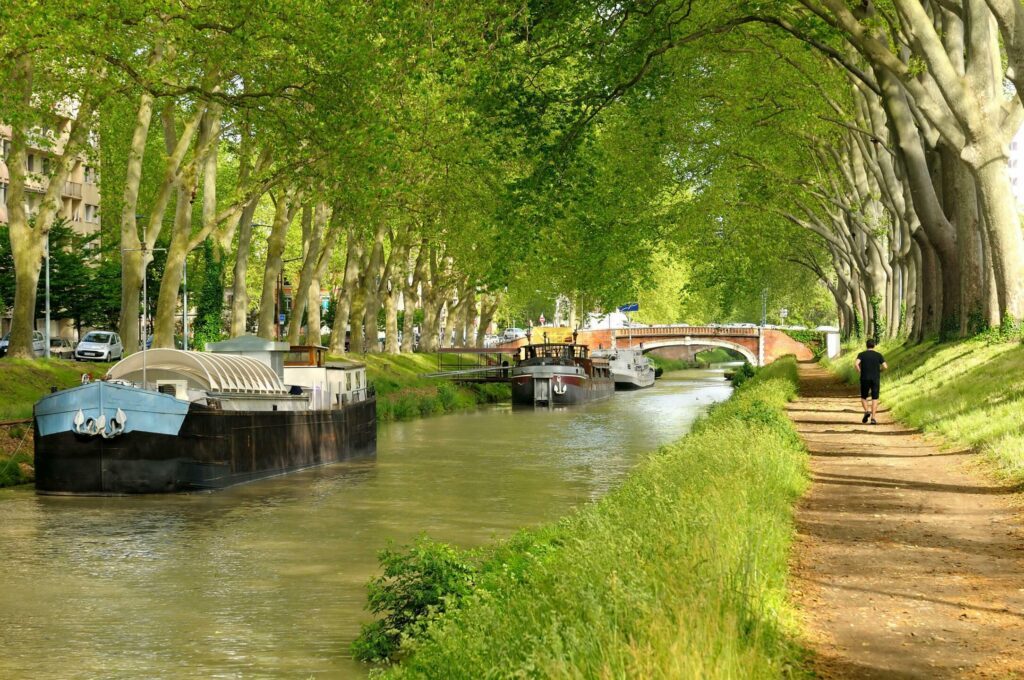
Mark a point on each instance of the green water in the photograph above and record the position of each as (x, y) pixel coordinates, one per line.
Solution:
(268, 579)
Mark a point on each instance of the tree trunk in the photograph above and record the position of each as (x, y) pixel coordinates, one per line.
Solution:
(343, 299)
(239, 291)
(170, 284)
(283, 215)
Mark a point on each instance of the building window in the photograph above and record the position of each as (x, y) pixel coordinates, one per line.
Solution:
(31, 163)
(3, 194)
(5, 148)
(46, 166)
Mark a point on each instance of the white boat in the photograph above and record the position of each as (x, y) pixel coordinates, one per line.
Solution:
(630, 368)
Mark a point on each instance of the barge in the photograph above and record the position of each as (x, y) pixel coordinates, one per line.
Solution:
(168, 420)
(559, 374)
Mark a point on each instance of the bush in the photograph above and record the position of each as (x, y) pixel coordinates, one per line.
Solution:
(416, 586)
(743, 374)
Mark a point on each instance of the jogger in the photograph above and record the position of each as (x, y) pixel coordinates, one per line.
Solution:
(870, 365)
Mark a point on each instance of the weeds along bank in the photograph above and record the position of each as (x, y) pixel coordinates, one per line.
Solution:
(680, 572)
(971, 392)
(403, 395)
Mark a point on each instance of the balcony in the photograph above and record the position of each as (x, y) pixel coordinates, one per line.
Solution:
(73, 189)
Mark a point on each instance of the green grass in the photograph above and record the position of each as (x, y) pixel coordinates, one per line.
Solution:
(680, 572)
(403, 395)
(24, 381)
(971, 392)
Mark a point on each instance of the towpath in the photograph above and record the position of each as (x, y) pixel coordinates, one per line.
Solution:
(908, 563)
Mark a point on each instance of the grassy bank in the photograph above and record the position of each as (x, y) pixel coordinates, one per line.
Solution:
(402, 394)
(680, 572)
(971, 392)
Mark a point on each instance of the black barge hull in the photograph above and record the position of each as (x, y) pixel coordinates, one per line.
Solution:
(213, 449)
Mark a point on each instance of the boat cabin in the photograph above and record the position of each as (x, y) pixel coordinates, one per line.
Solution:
(563, 354)
(330, 384)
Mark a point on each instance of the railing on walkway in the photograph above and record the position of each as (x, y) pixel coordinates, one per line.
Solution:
(662, 331)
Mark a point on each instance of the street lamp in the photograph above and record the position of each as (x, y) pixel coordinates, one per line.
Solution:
(47, 338)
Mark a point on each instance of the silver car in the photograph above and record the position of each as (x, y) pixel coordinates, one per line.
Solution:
(38, 344)
(100, 346)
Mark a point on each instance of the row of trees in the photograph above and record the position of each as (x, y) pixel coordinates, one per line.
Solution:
(472, 160)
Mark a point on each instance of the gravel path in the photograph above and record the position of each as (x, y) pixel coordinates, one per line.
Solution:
(908, 564)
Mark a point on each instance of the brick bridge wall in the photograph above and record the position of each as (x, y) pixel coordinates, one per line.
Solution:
(685, 341)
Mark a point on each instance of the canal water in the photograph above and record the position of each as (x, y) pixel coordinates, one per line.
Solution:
(268, 579)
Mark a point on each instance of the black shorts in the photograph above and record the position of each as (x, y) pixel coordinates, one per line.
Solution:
(868, 386)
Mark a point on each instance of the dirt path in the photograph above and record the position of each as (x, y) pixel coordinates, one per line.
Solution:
(907, 565)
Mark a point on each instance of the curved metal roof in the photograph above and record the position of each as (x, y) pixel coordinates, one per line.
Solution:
(213, 372)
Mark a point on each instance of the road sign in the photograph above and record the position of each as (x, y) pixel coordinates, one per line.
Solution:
(280, 319)
(784, 313)
(630, 307)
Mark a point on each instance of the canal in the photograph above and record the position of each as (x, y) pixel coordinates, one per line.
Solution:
(268, 579)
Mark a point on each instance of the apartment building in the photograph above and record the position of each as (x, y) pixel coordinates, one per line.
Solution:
(80, 198)
(80, 195)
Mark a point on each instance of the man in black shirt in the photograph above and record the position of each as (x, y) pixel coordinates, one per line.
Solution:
(870, 365)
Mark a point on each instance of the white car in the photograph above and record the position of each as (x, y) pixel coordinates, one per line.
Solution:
(512, 334)
(38, 344)
(100, 346)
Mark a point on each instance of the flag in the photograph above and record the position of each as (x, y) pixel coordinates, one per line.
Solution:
(630, 307)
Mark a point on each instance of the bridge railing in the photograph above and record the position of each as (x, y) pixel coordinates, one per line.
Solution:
(661, 331)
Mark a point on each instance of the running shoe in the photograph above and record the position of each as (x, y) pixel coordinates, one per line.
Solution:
(865, 418)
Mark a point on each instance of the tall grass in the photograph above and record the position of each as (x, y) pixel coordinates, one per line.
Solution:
(680, 572)
(971, 392)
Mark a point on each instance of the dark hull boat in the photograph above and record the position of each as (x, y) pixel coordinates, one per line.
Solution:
(210, 422)
(559, 375)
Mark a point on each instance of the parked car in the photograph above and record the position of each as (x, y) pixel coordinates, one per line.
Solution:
(512, 334)
(38, 344)
(100, 346)
(62, 348)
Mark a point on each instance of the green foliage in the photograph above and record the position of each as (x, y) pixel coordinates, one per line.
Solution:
(16, 469)
(416, 586)
(209, 323)
(745, 373)
(680, 572)
(814, 340)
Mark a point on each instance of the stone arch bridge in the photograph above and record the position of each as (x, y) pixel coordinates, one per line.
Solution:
(760, 346)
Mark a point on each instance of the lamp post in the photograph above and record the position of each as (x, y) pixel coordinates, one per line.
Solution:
(184, 304)
(46, 350)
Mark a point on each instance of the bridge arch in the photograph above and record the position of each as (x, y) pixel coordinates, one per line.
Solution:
(750, 356)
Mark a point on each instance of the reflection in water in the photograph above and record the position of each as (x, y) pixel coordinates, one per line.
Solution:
(268, 579)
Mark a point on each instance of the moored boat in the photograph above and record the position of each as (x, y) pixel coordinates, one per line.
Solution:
(630, 368)
(559, 374)
(168, 420)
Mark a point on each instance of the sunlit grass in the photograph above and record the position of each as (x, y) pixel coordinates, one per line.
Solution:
(970, 392)
(679, 573)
